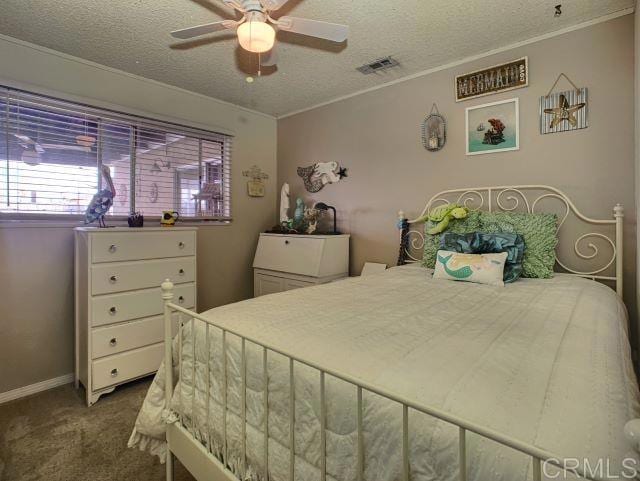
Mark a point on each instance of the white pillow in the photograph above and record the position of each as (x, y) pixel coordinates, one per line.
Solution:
(480, 268)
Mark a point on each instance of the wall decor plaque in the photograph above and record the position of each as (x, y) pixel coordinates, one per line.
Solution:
(491, 80)
(564, 111)
(255, 186)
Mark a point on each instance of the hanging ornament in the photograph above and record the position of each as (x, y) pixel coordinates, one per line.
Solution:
(434, 130)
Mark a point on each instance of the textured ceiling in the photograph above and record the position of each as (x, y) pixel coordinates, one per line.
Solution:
(133, 35)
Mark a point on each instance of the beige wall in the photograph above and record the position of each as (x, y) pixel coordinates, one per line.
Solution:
(377, 137)
(36, 263)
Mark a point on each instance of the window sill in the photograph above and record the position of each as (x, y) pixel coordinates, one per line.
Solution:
(70, 224)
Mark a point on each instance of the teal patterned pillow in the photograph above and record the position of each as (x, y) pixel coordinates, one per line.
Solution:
(539, 232)
(482, 243)
(458, 226)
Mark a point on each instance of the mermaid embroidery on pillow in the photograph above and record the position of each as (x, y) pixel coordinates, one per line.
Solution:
(480, 268)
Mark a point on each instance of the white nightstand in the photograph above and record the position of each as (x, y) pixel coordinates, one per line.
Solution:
(283, 262)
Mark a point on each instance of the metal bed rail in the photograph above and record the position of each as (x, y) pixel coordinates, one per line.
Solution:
(538, 455)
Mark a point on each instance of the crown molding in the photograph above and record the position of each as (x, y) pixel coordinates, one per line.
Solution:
(424, 73)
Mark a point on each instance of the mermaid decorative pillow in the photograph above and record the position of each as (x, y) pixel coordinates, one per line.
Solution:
(480, 268)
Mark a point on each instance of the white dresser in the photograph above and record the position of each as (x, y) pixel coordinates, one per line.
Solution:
(118, 306)
(284, 262)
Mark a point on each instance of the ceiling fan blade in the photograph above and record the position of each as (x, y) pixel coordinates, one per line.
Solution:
(205, 29)
(272, 5)
(234, 4)
(270, 58)
(314, 28)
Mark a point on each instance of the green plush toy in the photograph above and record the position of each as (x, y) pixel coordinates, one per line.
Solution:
(443, 214)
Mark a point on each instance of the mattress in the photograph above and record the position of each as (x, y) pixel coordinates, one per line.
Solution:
(544, 361)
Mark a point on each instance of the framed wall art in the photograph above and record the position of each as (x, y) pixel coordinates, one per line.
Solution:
(493, 127)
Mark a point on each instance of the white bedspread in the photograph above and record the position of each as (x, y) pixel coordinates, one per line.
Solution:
(544, 361)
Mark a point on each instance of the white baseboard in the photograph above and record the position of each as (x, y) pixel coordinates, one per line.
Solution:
(35, 388)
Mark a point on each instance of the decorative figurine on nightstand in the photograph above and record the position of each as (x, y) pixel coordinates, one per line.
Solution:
(311, 217)
(101, 201)
(284, 204)
(298, 223)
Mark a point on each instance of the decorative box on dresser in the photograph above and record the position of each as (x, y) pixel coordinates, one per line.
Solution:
(284, 262)
(119, 327)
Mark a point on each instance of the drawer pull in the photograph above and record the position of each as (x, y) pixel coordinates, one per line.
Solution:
(114, 372)
(181, 272)
(113, 341)
(181, 299)
(113, 279)
(113, 310)
(113, 248)
(181, 245)
(286, 242)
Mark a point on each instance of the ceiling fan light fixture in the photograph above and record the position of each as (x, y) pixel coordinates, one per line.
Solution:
(256, 36)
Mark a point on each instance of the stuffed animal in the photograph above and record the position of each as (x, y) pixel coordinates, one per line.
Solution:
(443, 214)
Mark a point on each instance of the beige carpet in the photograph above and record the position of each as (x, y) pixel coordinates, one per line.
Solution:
(53, 436)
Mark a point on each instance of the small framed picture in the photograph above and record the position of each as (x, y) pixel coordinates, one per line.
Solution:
(493, 127)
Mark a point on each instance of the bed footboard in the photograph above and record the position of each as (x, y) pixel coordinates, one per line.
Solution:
(203, 465)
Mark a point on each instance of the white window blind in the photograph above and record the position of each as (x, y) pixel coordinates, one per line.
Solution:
(51, 152)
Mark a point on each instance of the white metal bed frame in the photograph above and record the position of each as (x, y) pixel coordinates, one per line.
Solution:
(528, 198)
(202, 463)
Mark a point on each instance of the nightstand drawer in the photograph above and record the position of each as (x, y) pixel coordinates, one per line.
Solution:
(127, 365)
(106, 341)
(264, 284)
(121, 276)
(126, 306)
(290, 284)
(126, 246)
(291, 254)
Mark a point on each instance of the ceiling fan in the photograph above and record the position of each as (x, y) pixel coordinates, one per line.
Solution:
(255, 31)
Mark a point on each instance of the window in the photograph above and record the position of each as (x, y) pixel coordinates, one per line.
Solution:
(51, 153)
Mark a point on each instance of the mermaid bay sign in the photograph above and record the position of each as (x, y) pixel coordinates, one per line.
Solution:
(499, 78)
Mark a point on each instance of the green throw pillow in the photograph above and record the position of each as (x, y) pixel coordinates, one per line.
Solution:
(483, 243)
(458, 226)
(539, 232)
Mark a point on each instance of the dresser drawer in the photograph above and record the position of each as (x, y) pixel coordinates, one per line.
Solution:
(291, 254)
(112, 308)
(109, 340)
(126, 246)
(127, 365)
(121, 276)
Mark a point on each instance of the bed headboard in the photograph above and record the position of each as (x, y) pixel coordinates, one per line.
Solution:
(587, 247)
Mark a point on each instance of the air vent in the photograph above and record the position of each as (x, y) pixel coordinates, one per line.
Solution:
(378, 65)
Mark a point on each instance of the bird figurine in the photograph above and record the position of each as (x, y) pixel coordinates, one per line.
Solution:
(102, 201)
